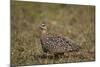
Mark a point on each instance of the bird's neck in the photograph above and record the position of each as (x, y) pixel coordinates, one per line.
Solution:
(44, 34)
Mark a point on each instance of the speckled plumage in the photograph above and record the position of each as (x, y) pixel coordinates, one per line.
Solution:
(56, 44)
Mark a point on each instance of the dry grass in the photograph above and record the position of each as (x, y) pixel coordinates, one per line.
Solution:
(73, 21)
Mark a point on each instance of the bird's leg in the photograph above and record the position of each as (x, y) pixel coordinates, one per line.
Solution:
(47, 54)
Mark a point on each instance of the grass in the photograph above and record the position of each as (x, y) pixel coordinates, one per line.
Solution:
(74, 21)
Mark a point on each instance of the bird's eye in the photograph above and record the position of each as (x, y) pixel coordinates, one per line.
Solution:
(43, 25)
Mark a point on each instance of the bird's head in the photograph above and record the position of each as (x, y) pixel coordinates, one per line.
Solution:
(43, 27)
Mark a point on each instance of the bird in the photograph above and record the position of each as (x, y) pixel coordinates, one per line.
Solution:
(56, 44)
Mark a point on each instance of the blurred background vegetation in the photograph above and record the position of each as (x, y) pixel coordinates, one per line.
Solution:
(74, 21)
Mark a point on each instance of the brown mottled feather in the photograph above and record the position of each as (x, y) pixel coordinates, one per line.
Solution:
(56, 44)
